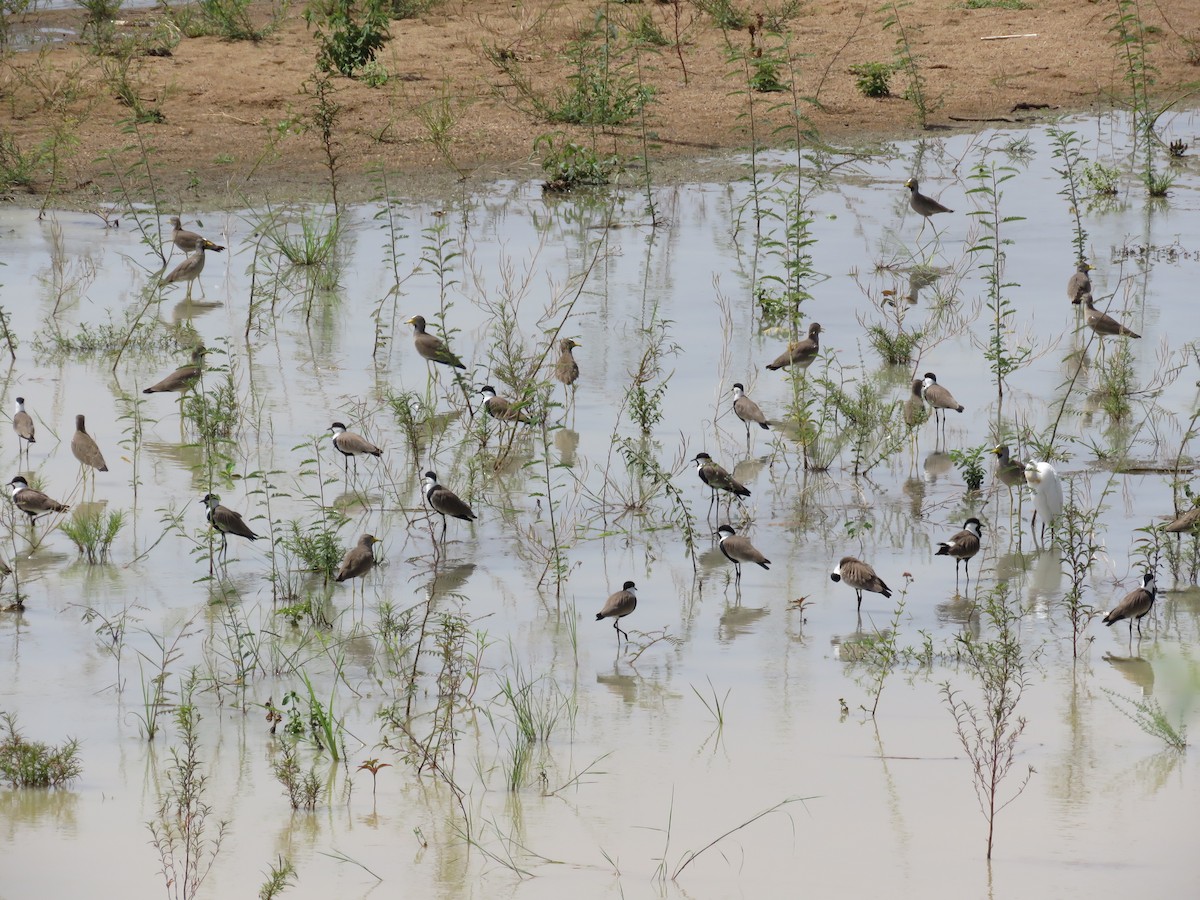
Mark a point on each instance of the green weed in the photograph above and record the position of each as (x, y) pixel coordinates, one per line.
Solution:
(873, 79)
(32, 764)
(93, 532)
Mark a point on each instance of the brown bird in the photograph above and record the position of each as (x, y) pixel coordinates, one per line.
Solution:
(33, 503)
(1185, 523)
(924, 206)
(915, 411)
(747, 410)
(1104, 324)
(566, 369)
(189, 270)
(938, 397)
(618, 606)
(431, 347)
(800, 353)
(860, 576)
(717, 479)
(1080, 284)
(85, 449)
(351, 446)
(1010, 471)
(963, 546)
(359, 559)
(182, 378)
(189, 241)
(445, 502)
(23, 425)
(226, 521)
(1135, 605)
(502, 409)
(738, 550)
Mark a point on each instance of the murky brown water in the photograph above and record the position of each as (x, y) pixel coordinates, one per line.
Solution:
(636, 773)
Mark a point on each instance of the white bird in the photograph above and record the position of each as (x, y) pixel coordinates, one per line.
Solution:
(1047, 494)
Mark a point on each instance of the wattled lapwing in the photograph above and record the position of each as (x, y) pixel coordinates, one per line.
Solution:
(738, 550)
(22, 424)
(747, 410)
(1010, 471)
(860, 576)
(1080, 283)
(800, 353)
(1135, 605)
(188, 271)
(359, 559)
(618, 606)
(189, 241)
(962, 546)
(922, 205)
(502, 409)
(182, 378)
(226, 521)
(351, 446)
(1104, 324)
(566, 369)
(431, 347)
(445, 502)
(717, 479)
(33, 503)
(938, 398)
(85, 449)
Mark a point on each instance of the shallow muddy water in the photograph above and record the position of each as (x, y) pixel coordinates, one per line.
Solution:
(636, 774)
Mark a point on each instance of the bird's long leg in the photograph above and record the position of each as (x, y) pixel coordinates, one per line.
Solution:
(859, 592)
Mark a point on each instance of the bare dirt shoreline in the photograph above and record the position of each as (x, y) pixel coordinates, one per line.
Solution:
(236, 112)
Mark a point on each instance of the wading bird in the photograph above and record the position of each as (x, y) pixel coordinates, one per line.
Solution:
(359, 559)
(922, 205)
(189, 241)
(748, 411)
(1080, 283)
(800, 353)
(351, 446)
(431, 347)
(1135, 605)
(566, 369)
(189, 271)
(738, 550)
(1010, 471)
(85, 449)
(1104, 324)
(860, 576)
(938, 398)
(962, 546)
(717, 479)
(445, 502)
(23, 425)
(226, 521)
(1047, 494)
(182, 378)
(33, 503)
(618, 606)
(502, 409)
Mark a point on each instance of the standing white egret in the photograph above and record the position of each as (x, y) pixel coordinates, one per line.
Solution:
(1047, 494)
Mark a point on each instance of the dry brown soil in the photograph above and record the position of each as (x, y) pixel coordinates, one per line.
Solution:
(234, 110)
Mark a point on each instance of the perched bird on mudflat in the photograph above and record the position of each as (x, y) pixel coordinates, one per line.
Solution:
(189, 241)
(359, 559)
(31, 502)
(182, 378)
(431, 347)
(1104, 324)
(351, 445)
(85, 449)
(860, 576)
(738, 550)
(1135, 605)
(618, 606)
(924, 206)
(800, 353)
(962, 546)
(1080, 283)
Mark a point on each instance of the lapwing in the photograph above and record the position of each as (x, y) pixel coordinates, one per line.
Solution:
(226, 521)
(618, 606)
(938, 398)
(33, 503)
(182, 378)
(432, 347)
(717, 479)
(1047, 494)
(359, 559)
(1104, 324)
(84, 447)
(962, 546)
(566, 369)
(922, 205)
(1186, 523)
(351, 446)
(445, 502)
(189, 241)
(748, 411)
(738, 550)
(860, 576)
(1010, 471)
(1080, 283)
(1135, 605)
(800, 353)
(22, 424)
(502, 409)
(188, 271)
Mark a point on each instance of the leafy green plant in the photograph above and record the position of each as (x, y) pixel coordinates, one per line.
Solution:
(1147, 713)
(970, 463)
(1068, 150)
(873, 79)
(724, 13)
(908, 62)
(601, 90)
(895, 347)
(92, 531)
(232, 20)
(349, 32)
(1080, 542)
(568, 165)
(1101, 180)
(32, 764)
(1131, 39)
(302, 788)
(764, 76)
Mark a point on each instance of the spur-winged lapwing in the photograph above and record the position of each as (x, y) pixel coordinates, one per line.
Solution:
(502, 409)
(618, 606)
(445, 502)
(738, 550)
(351, 445)
(717, 479)
(23, 425)
(1135, 605)
(962, 546)
(747, 410)
(226, 521)
(860, 576)
(33, 503)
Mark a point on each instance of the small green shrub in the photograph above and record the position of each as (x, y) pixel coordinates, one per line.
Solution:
(894, 348)
(646, 31)
(410, 9)
(995, 4)
(970, 464)
(1101, 180)
(764, 76)
(92, 532)
(373, 74)
(349, 34)
(33, 764)
(724, 14)
(568, 165)
(873, 79)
